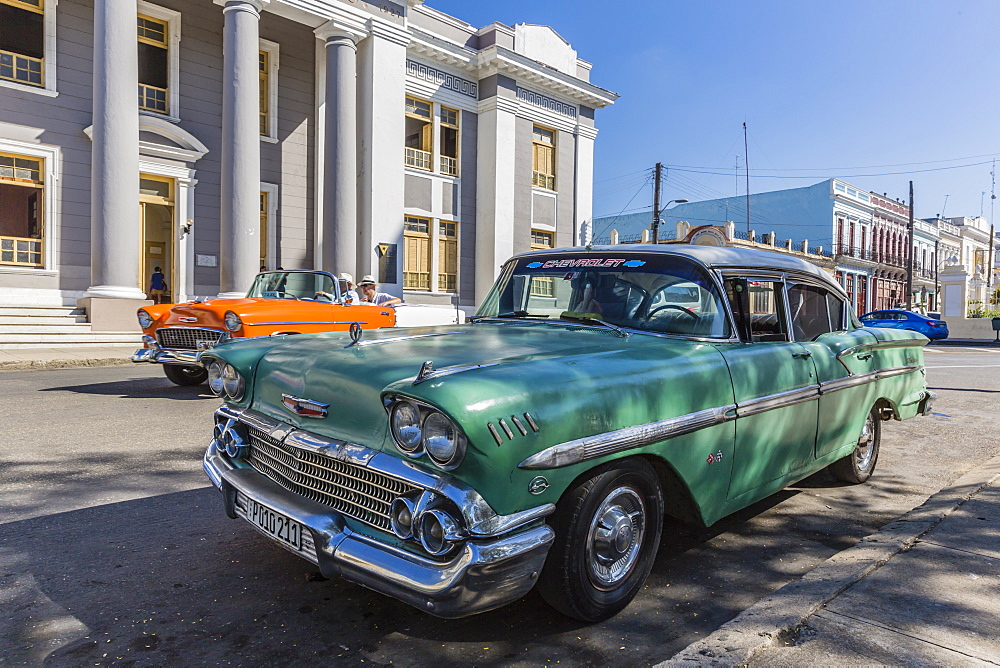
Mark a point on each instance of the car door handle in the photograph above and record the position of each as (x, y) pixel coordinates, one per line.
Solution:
(802, 355)
(864, 356)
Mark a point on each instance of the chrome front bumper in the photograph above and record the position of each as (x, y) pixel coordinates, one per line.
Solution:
(157, 355)
(485, 573)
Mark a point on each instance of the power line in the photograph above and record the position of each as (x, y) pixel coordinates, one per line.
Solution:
(596, 234)
(838, 176)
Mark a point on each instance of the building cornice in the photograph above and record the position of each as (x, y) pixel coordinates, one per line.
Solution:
(499, 60)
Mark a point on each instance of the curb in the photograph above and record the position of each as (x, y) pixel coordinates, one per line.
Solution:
(31, 365)
(777, 616)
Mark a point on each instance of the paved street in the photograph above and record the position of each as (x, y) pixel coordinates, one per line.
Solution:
(114, 549)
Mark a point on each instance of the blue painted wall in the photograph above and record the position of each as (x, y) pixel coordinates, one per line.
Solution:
(795, 213)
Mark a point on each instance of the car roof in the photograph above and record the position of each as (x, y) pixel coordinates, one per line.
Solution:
(898, 310)
(716, 257)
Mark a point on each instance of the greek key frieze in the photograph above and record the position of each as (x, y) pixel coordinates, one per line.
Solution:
(442, 79)
(538, 100)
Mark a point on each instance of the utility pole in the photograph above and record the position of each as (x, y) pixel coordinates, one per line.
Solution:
(909, 256)
(656, 202)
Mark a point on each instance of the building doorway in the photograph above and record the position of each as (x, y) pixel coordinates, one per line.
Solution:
(156, 216)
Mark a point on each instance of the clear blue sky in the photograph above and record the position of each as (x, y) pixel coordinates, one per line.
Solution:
(857, 90)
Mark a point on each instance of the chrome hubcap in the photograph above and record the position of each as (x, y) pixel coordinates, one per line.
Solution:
(866, 445)
(615, 537)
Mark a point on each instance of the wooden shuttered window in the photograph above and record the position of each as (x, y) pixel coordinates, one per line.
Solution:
(416, 253)
(543, 158)
(447, 257)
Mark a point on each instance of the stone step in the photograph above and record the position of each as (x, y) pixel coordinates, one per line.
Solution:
(34, 340)
(42, 311)
(6, 319)
(19, 329)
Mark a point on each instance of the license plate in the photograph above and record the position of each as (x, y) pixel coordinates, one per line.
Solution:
(272, 523)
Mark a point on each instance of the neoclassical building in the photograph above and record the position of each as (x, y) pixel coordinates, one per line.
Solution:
(367, 136)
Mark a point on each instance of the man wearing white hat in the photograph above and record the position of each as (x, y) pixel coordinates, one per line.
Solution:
(371, 295)
(347, 288)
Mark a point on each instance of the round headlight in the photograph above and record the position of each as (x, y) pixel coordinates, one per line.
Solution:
(233, 322)
(215, 382)
(145, 320)
(405, 425)
(438, 532)
(401, 517)
(441, 440)
(232, 383)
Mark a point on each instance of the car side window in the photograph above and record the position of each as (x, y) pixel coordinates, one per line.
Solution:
(814, 311)
(759, 308)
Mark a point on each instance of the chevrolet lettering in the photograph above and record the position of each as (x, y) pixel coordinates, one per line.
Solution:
(542, 444)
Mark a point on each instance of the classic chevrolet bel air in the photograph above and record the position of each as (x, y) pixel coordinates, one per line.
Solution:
(541, 444)
(278, 302)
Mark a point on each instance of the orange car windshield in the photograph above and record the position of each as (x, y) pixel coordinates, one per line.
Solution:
(292, 285)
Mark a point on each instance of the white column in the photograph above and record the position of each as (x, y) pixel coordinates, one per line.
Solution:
(114, 189)
(239, 225)
(583, 204)
(382, 80)
(184, 203)
(494, 190)
(340, 156)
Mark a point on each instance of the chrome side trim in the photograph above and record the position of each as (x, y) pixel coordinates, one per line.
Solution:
(495, 433)
(304, 322)
(860, 379)
(878, 345)
(779, 400)
(591, 447)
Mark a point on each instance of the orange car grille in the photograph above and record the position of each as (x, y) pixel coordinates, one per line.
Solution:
(352, 490)
(185, 338)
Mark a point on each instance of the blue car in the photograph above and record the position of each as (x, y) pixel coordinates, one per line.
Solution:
(899, 319)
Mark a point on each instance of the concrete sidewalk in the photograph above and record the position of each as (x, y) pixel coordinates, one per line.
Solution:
(21, 359)
(924, 590)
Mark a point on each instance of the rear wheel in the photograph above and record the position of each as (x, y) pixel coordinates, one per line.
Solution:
(858, 466)
(607, 533)
(183, 374)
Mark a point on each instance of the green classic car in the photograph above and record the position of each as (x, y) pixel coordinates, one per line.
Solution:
(597, 390)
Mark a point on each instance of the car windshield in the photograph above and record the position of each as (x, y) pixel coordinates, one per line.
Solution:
(292, 285)
(653, 292)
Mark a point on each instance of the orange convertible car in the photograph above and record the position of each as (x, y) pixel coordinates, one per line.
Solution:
(279, 302)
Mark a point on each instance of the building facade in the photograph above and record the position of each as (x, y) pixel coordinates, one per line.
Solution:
(865, 234)
(362, 136)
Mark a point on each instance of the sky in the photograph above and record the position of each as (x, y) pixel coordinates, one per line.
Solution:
(877, 93)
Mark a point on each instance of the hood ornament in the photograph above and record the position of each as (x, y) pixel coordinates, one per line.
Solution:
(356, 333)
(426, 369)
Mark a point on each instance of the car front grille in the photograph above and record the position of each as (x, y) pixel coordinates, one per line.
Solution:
(185, 338)
(353, 490)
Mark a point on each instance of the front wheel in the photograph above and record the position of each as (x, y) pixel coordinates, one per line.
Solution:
(183, 374)
(607, 533)
(858, 466)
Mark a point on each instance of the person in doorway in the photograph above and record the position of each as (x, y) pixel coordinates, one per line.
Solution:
(157, 286)
(371, 295)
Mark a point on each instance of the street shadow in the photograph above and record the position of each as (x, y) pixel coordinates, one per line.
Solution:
(140, 388)
(169, 580)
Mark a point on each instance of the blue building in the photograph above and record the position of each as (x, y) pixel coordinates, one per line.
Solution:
(865, 233)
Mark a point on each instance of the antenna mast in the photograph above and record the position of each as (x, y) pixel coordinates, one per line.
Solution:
(746, 161)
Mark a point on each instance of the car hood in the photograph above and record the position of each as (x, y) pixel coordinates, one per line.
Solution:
(206, 314)
(480, 370)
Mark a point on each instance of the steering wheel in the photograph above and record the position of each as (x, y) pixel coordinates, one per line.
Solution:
(673, 306)
(323, 295)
